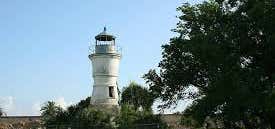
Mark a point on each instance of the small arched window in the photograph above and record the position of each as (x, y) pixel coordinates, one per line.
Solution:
(111, 91)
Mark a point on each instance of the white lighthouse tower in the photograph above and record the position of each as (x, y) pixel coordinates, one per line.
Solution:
(105, 63)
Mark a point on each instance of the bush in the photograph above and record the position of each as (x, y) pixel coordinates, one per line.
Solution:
(129, 118)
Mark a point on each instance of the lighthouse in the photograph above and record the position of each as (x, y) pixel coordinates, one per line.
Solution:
(105, 60)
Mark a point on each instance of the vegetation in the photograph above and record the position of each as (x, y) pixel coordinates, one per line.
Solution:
(188, 121)
(134, 97)
(50, 112)
(92, 118)
(137, 96)
(79, 116)
(225, 48)
(130, 118)
(83, 115)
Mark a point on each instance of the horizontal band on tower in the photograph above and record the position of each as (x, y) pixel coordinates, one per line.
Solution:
(108, 75)
(105, 55)
(104, 85)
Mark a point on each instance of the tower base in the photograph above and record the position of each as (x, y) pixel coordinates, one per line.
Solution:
(110, 109)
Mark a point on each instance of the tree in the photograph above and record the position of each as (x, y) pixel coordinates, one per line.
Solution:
(79, 116)
(138, 96)
(50, 112)
(225, 48)
(74, 109)
(92, 118)
(130, 118)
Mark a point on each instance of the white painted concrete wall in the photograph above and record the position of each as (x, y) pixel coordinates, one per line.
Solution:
(105, 74)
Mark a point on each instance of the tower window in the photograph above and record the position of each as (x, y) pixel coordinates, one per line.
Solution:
(111, 91)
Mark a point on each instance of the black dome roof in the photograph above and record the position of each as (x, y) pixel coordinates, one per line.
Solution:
(104, 36)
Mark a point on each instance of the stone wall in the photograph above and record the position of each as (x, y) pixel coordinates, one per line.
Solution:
(16, 119)
(22, 122)
(25, 122)
(173, 121)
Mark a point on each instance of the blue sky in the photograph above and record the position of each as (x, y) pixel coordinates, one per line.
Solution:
(44, 46)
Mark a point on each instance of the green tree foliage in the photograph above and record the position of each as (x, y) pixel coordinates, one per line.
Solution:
(50, 112)
(188, 121)
(74, 109)
(133, 97)
(226, 49)
(130, 118)
(83, 116)
(79, 116)
(91, 118)
(138, 96)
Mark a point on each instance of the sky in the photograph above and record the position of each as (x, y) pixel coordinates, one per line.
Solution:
(44, 46)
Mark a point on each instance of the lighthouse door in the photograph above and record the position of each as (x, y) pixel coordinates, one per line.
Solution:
(111, 91)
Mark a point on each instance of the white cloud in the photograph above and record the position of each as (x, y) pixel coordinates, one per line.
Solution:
(11, 107)
(180, 107)
(62, 103)
(36, 108)
(7, 103)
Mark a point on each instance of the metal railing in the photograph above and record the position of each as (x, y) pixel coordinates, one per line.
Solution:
(92, 49)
